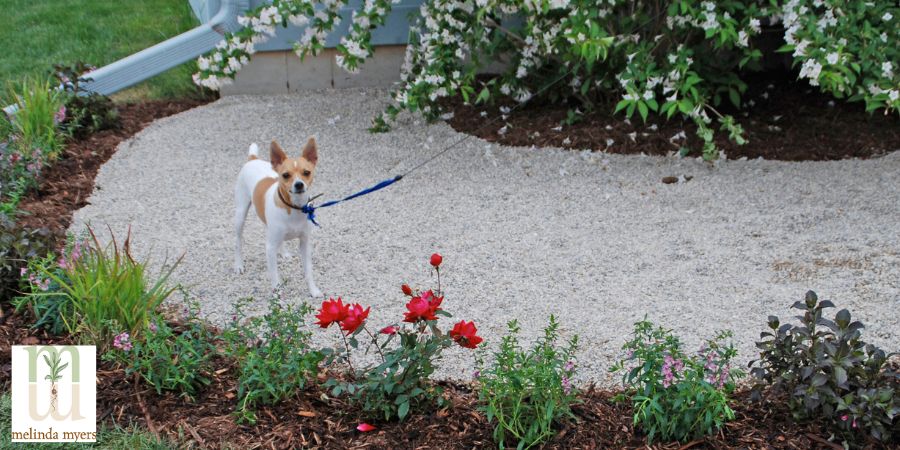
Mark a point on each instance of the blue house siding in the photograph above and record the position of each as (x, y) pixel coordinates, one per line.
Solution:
(204, 9)
(395, 30)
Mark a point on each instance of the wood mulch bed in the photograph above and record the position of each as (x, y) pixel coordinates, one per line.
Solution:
(789, 120)
(312, 419)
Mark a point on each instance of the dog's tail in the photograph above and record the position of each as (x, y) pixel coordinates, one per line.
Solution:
(253, 153)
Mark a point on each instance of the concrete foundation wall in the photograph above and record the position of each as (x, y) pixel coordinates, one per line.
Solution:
(282, 72)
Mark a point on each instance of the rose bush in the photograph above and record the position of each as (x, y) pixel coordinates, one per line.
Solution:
(400, 381)
(678, 57)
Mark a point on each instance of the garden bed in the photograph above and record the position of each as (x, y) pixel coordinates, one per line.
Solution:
(311, 419)
(789, 120)
(68, 182)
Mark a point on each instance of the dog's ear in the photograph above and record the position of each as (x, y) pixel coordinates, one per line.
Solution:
(311, 151)
(276, 154)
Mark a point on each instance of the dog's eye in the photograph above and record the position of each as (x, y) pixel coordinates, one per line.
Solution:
(286, 175)
(306, 173)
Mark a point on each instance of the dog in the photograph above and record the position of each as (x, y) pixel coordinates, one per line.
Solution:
(277, 189)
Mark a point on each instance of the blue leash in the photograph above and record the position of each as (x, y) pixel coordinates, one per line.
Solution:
(310, 210)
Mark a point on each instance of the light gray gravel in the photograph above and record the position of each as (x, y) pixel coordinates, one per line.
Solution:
(596, 239)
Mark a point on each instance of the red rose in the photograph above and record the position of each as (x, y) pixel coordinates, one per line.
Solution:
(356, 315)
(436, 259)
(423, 307)
(417, 309)
(332, 311)
(389, 330)
(406, 289)
(464, 334)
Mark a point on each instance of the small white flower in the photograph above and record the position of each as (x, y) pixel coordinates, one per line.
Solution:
(832, 58)
(521, 72)
(754, 25)
(894, 94)
(887, 69)
(887, 17)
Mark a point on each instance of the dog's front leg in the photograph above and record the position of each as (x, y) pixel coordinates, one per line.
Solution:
(273, 243)
(306, 256)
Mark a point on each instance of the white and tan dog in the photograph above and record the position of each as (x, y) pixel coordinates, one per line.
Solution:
(272, 187)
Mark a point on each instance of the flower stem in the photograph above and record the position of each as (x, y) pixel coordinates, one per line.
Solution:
(374, 342)
(347, 347)
(438, 270)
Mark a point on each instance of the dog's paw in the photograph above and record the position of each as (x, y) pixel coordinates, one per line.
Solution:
(285, 254)
(315, 292)
(238, 269)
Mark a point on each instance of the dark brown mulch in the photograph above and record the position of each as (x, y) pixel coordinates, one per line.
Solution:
(313, 420)
(789, 121)
(67, 183)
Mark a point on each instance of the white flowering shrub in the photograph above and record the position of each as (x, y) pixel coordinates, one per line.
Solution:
(677, 57)
(850, 49)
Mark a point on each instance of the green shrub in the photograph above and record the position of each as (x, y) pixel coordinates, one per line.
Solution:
(29, 139)
(97, 291)
(18, 246)
(526, 391)
(273, 354)
(35, 122)
(829, 373)
(86, 112)
(51, 307)
(676, 396)
(170, 357)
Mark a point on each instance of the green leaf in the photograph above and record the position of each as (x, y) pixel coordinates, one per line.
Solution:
(735, 97)
(403, 410)
(483, 96)
(840, 375)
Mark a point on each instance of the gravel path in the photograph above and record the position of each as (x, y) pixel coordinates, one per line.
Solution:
(596, 239)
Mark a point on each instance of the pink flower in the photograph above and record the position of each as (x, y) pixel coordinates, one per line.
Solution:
(364, 427)
(122, 342)
(566, 384)
(153, 327)
(389, 330)
(60, 115)
(845, 417)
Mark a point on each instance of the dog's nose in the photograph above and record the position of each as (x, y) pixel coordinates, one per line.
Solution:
(299, 186)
